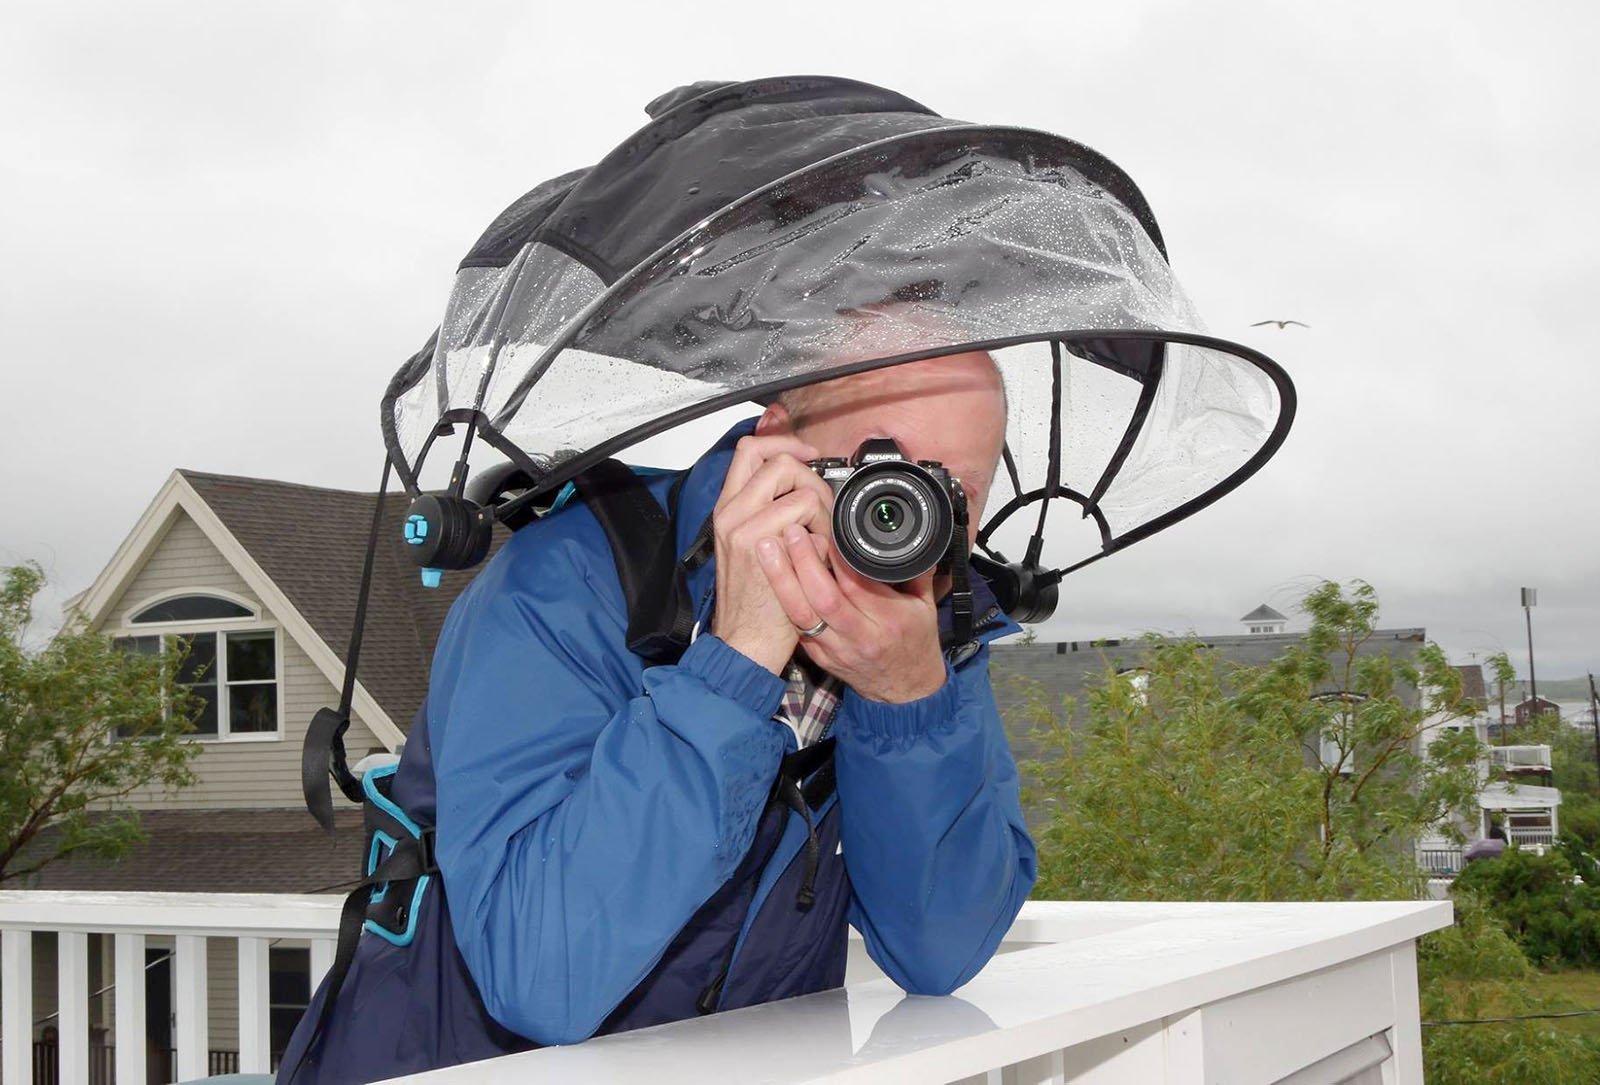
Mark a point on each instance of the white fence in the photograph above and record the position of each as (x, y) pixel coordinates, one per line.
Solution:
(1530, 837)
(1520, 757)
(1091, 993)
(129, 918)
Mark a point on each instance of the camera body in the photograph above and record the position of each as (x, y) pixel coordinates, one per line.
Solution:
(894, 519)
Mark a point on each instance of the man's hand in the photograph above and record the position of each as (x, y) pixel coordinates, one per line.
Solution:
(882, 640)
(768, 489)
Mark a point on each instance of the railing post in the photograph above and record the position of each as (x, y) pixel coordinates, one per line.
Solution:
(190, 1006)
(16, 1013)
(72, 1004)
(255, 1004)
(129, 1005)
(1405, 1065)
(321, 960)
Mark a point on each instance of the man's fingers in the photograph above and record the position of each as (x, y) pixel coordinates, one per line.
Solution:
(822, 591)
(774, 558)
(780, 475)
(824, 550)
(797, 507)
(752, 452)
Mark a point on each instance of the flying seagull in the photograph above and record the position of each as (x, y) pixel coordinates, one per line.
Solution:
(1282, 324)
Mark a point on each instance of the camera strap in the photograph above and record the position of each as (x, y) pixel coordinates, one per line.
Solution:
(960, 573)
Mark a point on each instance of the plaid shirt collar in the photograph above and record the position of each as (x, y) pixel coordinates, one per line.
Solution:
(810, 701)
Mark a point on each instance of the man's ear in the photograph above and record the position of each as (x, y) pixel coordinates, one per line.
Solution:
(775, 421)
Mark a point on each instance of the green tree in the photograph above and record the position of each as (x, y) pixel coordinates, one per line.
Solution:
(83, 723)
(1475, 971)
(1307, 778)
(1503, 675)
(1552, 915)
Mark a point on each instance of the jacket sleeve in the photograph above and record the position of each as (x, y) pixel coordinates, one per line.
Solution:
(586, 809)
(939, 858)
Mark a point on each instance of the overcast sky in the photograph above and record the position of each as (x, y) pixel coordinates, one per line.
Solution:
(223, 226)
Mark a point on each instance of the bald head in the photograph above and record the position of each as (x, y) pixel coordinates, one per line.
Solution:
(951, 409)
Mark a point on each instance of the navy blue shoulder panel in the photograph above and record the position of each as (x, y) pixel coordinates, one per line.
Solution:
(790, 950)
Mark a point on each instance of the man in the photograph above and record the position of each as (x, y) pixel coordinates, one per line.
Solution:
(622, 845)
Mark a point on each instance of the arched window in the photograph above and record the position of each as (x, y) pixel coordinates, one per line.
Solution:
(191, 608)
(232, 667)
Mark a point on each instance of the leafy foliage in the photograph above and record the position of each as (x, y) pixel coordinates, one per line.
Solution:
(1208, 780)
(1307, 778)
(83, 723)
(1554, 917)
(1472, 971)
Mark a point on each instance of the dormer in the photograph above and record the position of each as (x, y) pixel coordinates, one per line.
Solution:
(1264, 619)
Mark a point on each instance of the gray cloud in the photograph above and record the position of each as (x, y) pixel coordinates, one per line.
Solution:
(225, 225)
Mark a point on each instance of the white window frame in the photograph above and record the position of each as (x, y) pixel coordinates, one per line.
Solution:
(1329, 754)
(221, 627)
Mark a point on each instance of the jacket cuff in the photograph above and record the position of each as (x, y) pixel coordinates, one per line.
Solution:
(901, 723)
(734, 675)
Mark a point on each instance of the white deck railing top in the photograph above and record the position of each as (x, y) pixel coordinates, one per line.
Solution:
(1084, 992)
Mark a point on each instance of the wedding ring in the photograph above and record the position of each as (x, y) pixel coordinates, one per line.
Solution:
(814, 631)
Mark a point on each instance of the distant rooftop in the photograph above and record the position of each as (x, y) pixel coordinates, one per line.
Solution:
(1264, 613)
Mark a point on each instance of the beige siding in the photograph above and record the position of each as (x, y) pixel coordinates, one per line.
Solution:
(252, 773)
(222, 993)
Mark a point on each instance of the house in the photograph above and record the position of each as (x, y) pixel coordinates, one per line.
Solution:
(261, 578)
(1264, 619)
(1514, 791)
(1057, 671)
(1530, 707)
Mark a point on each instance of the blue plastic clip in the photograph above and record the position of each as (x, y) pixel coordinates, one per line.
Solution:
(431, 577)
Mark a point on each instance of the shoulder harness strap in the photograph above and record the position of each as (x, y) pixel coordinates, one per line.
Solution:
(660, 613)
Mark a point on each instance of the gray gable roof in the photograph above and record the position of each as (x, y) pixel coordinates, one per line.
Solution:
(1472, 687)
(219, 851)
(1061, 670)
(311, 540)
(1264, 613)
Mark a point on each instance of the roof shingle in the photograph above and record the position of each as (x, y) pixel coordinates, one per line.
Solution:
(311, 540)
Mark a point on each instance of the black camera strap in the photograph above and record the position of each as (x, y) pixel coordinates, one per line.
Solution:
(322, 756)
(960, 574)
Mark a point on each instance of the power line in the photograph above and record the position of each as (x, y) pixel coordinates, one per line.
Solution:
(1517, 1017)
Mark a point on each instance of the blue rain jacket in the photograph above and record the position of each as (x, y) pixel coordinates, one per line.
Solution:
(611, 851)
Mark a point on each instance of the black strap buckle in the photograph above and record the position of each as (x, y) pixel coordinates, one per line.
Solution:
(426, 855)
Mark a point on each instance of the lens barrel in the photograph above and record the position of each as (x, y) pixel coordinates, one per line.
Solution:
(892, 520)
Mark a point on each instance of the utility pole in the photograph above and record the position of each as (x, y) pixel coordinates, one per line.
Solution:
(1594, 718)
(1530, 599)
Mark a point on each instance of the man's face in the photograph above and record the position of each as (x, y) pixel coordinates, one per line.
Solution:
(950, 409)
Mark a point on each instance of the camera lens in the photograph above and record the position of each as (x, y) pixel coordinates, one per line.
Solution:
(892, 521)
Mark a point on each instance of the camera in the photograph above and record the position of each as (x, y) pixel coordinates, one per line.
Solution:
(893, 518)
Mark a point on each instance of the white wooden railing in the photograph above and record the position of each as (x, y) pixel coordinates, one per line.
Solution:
(1091, 993)
(1520, 757)
(1530, 837)
(254, 919)
(1440, 859)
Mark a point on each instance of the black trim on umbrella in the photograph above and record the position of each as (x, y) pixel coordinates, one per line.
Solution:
(551, 480)
(407, 377)
(1011, 468)
(479, 422)
(1147, 396)
(1022, 501)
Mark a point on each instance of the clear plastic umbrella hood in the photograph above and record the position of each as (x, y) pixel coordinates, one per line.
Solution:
(920, 236)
